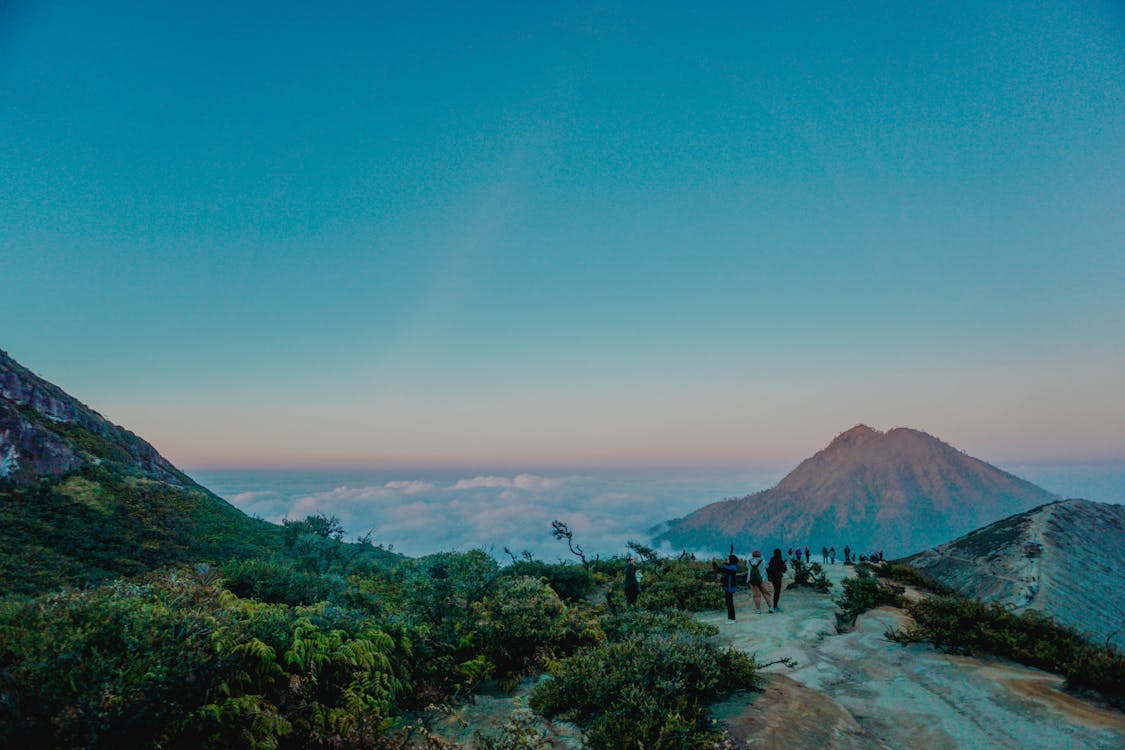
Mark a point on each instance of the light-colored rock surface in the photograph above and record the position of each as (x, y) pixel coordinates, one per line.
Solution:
(861, 690)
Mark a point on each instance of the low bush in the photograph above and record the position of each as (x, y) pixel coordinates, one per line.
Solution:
(571, 582)
(650, 690)
(864, 592)
(277, 582)
(911, 577)
(177, 663)
(522, 623)
(813, 576)
(963, 626)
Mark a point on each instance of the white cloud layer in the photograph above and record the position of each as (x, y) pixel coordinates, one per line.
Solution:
(422, 515)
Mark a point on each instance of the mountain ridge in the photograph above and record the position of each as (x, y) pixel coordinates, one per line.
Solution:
(83, 500)
(1062, 558)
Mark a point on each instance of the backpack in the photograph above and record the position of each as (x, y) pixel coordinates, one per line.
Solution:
(755, 573)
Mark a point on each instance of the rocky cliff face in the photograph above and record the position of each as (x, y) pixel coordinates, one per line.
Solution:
(38, 439)
(897, 491)
(83, 500)
(1064, 559)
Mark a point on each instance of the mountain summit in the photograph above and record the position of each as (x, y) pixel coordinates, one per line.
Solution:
(898, 491)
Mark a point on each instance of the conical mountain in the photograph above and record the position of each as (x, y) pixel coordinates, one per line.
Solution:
(898, 491)
(83, 500)
(1064, 559)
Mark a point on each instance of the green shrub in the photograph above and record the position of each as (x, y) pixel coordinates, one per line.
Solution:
(627, 623)
(911, 577)
(864, 592)
(522, 623)
(175, 662)
(650, 690)
(963, 626)
(813, 576)
(571, 582)
(279, 583)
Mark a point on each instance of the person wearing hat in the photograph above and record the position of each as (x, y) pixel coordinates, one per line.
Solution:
(756, 576)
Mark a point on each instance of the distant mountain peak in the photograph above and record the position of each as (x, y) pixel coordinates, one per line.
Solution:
(857, 434)
(898, 491)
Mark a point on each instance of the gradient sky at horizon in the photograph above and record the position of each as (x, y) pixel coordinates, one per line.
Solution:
(598, 234)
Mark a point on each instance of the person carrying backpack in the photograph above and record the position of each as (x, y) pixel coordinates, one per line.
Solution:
(774, 571)
(759, 589)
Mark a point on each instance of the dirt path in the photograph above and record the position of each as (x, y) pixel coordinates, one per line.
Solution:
(861, 690)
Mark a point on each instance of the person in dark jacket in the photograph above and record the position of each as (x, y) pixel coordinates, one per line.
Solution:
(775, 570)
(727, 575)
(632, 586)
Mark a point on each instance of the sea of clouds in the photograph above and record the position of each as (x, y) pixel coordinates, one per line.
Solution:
(417, 515)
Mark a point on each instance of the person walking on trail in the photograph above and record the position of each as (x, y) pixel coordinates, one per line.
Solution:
(632, 585)
(808, 556)
(824, 555)
(774, 571)
(847, 555)
(727, 574)
(756, 577)
(832, 554)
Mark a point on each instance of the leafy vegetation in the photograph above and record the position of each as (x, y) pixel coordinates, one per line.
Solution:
(911, 577)
(99, 525)
(649, 689)
(963, 626)
(316, 645)
(813, 576)
(862, 593)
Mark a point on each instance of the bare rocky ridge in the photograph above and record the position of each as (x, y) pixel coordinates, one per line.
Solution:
(32, 411)
(898, 491)
(1064, 559)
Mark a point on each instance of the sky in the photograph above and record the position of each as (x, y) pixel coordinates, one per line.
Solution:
(568, 235)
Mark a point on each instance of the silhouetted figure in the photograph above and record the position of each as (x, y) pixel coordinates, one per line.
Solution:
(756, 577)
(774, 571)
(727, 574)
(847, 555)
(832, 554)
(823, 555)
(632, 586)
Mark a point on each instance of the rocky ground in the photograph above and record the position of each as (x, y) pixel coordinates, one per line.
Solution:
(861, 690)
(858, 690)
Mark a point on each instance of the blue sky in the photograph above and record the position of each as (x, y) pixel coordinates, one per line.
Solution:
(358, 234)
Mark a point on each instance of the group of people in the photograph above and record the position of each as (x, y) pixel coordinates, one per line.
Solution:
(764, 579)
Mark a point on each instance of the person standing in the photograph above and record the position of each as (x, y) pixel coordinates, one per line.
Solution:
(832, 554)
(824, 555)
(847, 555)
(774, 571)
(632, 585)
(727, 574)
(808, 556)
(756, 577)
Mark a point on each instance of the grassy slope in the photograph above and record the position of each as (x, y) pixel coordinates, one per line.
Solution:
(110, 520)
